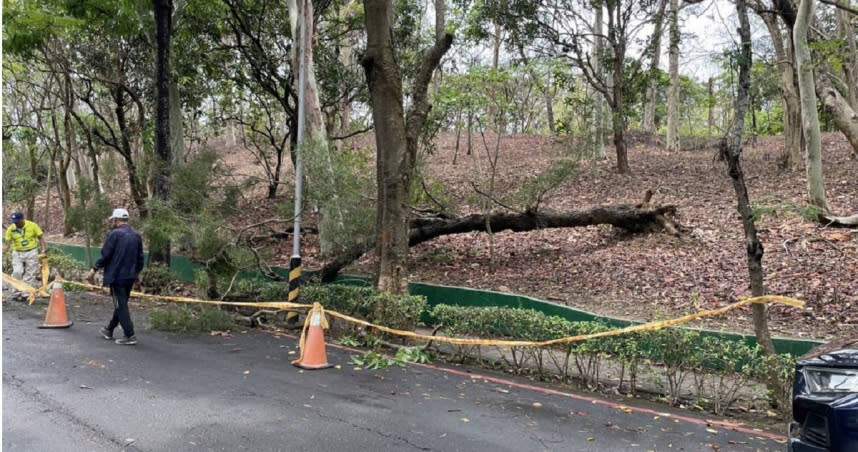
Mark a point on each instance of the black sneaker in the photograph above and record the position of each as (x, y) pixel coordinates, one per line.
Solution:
(127, 340)
(107, 334)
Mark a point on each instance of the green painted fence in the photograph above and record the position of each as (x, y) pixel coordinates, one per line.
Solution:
(461, 296)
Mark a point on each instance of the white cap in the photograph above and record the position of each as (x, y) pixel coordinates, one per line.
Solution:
(119, 214)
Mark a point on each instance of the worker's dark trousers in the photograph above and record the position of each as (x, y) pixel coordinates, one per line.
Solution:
(121, 314)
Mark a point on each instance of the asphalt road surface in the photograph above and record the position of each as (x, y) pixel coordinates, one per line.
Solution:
(71, 390)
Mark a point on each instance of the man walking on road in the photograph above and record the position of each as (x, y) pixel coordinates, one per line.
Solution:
(122, 261)
(24, 237)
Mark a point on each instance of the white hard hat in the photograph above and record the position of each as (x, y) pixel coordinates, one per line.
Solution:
(119, 214)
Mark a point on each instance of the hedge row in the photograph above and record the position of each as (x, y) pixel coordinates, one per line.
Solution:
(709, 370)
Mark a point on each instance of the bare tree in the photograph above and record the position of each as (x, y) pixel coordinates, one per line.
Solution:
(731, 149)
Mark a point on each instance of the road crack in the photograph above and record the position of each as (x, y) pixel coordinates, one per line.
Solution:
(372, 430)
(52, 406)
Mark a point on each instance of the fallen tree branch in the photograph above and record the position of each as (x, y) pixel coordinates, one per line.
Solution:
(841, 222)
(631, 218)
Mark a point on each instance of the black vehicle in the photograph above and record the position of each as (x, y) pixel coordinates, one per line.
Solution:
(825, 399)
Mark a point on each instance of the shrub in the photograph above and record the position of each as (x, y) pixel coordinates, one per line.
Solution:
(158, 279)
(394, 311)
(588, 354)
(733, 364)
(676, 349)
(274, 291)
(783, 367)
(502, 323)
(401, 312)
(349, 300)
(64, 265)
(629, 351)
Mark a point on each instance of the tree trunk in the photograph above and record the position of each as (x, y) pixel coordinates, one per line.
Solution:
(792, 106)
(549, 103)
(732, 147)
(65, 191)
(177, 125)
(315, 131)
(396, 138)
(177, 120)
(47, 209)
(844, 116)
(850, 66)
(160, 253)
(31, 194)
(652, 85)
(71, 149)
(599, 101)
(315, 125)
(637, 219)
(711, 105)
(673, 95)
(809, 115)
(393, 170)
(124, 147)
(345, 104)
(618, 100)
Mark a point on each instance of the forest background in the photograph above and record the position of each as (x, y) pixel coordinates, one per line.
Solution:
(471, 142)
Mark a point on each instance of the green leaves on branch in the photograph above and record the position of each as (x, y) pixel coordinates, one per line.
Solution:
(341, 184)
(535, 190)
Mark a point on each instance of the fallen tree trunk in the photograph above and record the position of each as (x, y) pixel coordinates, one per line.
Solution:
(843, 222)
(632, 218)
(844, 116)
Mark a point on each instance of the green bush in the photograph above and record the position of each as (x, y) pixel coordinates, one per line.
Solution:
(349, 300)
(725, 367)
(274, 291)
(628, 349)
(588, 354)
(64, 265)
(401, 312)
(677, 350)
(394, 311)
(783, 367)
(187, 319)
(158, 279)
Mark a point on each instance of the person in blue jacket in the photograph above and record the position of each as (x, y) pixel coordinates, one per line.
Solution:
(122, 261)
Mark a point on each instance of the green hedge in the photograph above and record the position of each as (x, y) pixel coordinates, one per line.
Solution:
(720, 368)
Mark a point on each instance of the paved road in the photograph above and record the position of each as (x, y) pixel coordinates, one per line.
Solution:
(70, 390)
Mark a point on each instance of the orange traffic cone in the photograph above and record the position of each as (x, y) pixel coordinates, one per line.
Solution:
(313, 354)
(57, 316)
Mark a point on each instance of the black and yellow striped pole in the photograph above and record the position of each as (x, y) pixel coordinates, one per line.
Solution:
(294, 287)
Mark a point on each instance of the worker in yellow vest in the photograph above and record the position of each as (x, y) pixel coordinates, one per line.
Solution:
(26, 240)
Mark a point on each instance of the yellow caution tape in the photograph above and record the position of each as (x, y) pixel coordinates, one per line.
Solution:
(21, 286)
(317, 308)
(652, 326)
(46, 270)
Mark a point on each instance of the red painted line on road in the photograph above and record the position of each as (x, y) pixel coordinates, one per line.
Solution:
(593, 400)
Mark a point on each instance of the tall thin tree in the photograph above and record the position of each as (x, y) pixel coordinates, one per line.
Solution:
(164, 160)
(732, 153)
(673, 92)
(809, 115)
